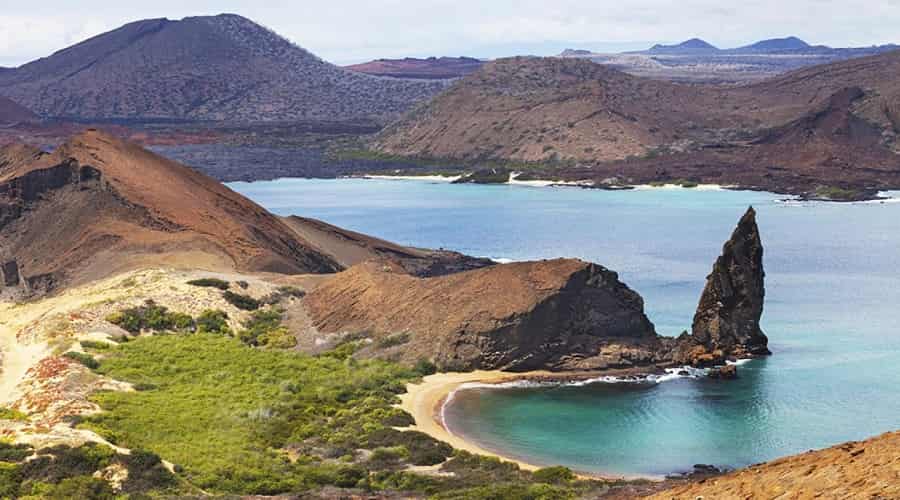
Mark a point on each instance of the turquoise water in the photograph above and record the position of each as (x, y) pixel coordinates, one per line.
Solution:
(832, 314)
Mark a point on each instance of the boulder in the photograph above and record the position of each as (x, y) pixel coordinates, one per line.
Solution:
(725, 372)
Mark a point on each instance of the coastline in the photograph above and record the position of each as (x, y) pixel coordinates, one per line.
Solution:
(425, 401)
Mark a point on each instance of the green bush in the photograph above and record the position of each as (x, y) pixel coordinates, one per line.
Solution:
(11, 414)
(85, 359)
(554, 475)
(210, 283)
(14, 452)
(423, 449)
(86, 487)
(10, 479)
(151, 316)
(213, 321)
(92, 344)
(507, 492)
(264, 326)
(245, 302)
(425, 367)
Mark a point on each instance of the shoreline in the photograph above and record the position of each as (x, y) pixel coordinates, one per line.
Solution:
(426, 399)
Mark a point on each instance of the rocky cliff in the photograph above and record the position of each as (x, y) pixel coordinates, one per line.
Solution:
(726, 324)
(557, 314)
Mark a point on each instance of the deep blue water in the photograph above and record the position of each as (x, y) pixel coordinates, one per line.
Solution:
(832, 314)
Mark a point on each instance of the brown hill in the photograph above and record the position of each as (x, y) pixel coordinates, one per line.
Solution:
(97, 205)
(518, 316)
(430, 68)
(11, 113)
(830, 125)
(863, 469)
(221, 67)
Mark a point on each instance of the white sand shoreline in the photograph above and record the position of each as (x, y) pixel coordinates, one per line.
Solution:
(426, 402)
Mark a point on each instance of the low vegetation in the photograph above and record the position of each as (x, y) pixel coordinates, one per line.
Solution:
(85, 359)
(239, 420)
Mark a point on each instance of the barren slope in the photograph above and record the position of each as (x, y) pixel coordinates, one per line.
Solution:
(864, 469)
(12, 113)
(830, 125)
(98, 204)
(207, 68)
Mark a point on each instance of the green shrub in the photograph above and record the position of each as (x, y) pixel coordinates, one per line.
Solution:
(85, 359)
(151, 316)
(210, 283)
(86, 487)
(213, 321)
(423, 449)
(14, 452)
(554, 475)
(10, 479)
(264, 326)
(425, 367)
(93, 344)
(278, 338)
(11, 414)
(245, 302)
(145, 472)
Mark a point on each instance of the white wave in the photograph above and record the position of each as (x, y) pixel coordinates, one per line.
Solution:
(739, 362)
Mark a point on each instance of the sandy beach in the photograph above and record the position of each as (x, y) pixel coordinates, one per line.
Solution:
(425, 400)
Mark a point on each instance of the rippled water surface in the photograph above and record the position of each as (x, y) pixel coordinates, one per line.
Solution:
(832, 314)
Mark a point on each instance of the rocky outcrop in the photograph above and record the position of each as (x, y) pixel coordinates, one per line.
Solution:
(9, 272)
(858, 469)
(726, 324)
(556, 314)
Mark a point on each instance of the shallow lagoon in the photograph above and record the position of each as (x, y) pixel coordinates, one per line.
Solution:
(832, 314)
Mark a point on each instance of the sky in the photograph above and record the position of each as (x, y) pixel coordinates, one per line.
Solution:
(345, 32)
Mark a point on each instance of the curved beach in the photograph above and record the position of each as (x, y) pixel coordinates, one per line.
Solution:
(425, 400)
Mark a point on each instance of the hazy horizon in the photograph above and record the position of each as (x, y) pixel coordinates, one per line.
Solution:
(349, 32)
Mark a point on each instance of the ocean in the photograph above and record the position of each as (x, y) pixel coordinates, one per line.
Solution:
(832, 314)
